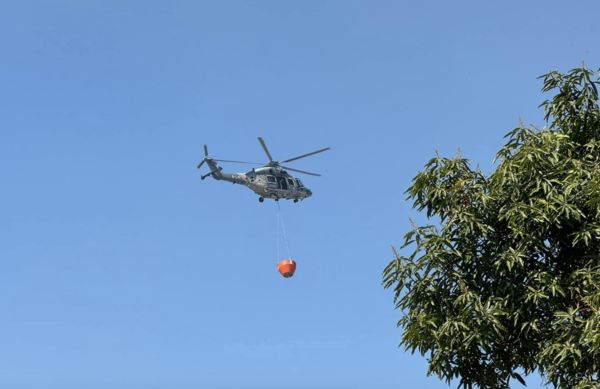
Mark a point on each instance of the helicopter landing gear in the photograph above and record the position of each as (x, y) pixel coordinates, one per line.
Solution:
(295, 200)
(261, 199)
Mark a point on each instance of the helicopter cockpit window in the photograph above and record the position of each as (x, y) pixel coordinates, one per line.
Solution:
(290, 181)
(270, 178)
(299, 183)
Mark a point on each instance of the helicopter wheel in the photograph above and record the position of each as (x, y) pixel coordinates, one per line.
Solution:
(261, 199)
(295, 200)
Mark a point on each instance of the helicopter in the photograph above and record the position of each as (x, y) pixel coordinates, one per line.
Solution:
(271, 180)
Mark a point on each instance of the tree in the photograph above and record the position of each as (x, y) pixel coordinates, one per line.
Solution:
(506, 278)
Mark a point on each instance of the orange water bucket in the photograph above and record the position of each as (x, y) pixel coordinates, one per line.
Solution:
(287, 267)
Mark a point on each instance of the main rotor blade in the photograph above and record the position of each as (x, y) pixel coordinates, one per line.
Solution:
(300, 171)
(244, 162)
(205, 150)
(306, 155)
(264, 146)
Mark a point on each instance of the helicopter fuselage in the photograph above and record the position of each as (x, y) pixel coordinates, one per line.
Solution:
(268, 182)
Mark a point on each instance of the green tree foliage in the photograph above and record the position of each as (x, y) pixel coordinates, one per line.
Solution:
(506, 279)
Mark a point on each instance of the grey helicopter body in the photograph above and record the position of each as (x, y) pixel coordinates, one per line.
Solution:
(271, 180)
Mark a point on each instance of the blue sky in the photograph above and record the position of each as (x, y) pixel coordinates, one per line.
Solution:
(121, 269)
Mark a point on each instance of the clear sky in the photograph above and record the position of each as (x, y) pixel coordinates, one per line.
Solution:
(119, 268)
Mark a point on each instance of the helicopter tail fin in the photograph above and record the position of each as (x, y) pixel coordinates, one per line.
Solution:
(215, 169)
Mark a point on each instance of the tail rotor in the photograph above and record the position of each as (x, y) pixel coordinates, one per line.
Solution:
(213, 167)
(205, 157)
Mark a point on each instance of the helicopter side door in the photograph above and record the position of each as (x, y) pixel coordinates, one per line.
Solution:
(291, 184)
(272, 182)
(282, 181)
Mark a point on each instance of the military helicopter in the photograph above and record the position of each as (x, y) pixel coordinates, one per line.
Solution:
(270, 180)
